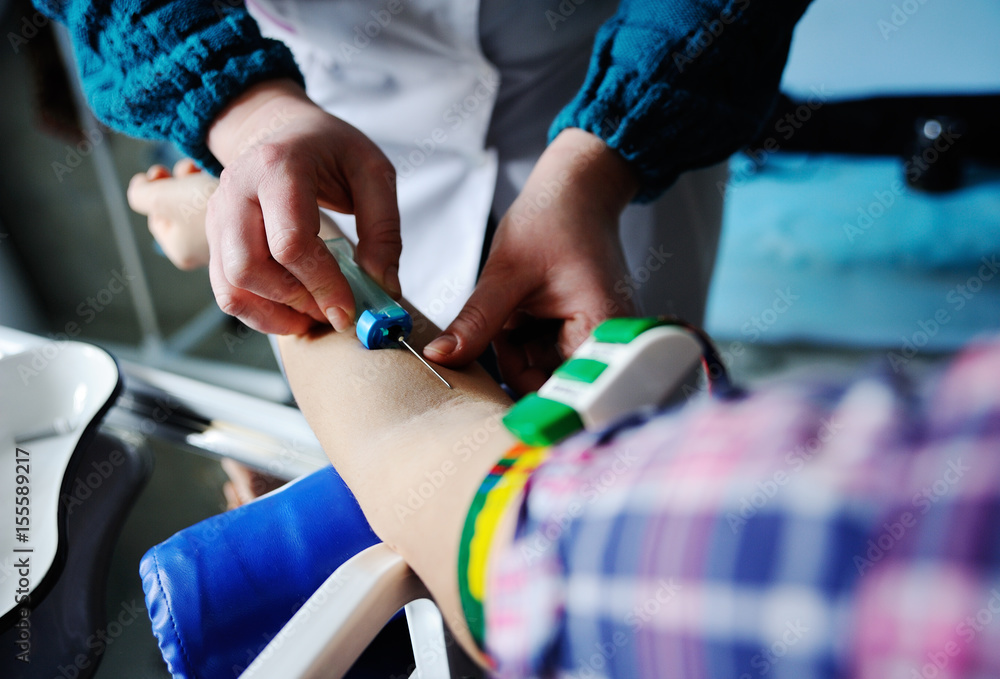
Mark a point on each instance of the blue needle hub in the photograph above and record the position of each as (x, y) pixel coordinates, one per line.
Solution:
(381, 321)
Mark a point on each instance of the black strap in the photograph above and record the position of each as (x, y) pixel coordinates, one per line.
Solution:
(945, 129)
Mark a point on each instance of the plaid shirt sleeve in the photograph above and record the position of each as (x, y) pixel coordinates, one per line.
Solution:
(808, 530)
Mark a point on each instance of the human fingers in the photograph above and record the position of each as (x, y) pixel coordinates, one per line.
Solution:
(181, 199)
(185, 166)
(248, 484)
(500, 289)
(242, 261)
(291, 225)
(527, 354)
(256, 312)
(284, 156)
(148, 194)
(377, 213)
(157, 172)
(138, 195)
(233, 499)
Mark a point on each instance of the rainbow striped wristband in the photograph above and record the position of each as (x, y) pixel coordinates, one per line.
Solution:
(504, 482)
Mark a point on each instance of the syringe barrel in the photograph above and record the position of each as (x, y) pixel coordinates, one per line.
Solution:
(380, 319)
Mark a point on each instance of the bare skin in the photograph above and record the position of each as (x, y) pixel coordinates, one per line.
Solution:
(554, 263)
(175, 204)
(391, 428)
(386, 423)
(175, 210)
(284, 155)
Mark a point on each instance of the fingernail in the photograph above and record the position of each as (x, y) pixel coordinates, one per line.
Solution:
(391, 279)
(443, 345)
(338, 318)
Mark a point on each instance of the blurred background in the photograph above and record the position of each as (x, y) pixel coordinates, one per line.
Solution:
(862, 225)
(866, 216)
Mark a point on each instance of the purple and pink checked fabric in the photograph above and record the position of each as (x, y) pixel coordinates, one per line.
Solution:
(807, 530)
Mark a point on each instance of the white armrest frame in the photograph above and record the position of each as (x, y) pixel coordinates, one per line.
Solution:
(329, 632)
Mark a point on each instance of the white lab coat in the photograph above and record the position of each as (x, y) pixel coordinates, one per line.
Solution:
(464, 130)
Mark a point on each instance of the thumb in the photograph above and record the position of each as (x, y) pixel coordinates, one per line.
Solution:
(492, 302)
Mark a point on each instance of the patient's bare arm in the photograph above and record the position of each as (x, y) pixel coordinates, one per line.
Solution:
(412, 451)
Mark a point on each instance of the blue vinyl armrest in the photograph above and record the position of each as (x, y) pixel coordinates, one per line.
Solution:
(218, 591)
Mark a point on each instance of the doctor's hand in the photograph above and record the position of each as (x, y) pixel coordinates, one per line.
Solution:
(282, 155)
(550, 275)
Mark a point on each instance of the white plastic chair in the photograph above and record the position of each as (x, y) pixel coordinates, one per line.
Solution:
(329, 632)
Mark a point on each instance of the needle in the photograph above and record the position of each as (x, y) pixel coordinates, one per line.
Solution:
(438, 375)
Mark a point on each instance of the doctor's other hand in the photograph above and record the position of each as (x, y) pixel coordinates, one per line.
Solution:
(282, 155)
(175, 205)
(550, 275)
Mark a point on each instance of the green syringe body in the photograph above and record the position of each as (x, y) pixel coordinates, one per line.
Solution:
(380, 320)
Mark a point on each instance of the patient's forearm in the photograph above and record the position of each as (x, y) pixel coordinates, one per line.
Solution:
(412, 451)
(370, 408)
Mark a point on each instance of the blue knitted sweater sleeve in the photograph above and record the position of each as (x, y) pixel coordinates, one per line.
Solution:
(675, 85)
(164, 70)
